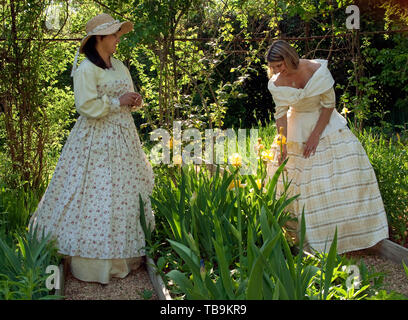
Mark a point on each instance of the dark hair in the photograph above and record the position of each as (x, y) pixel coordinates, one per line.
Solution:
(92, 54)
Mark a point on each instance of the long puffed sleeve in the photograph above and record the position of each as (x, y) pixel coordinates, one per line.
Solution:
(328, 98)
(280, 111)
(87, 101)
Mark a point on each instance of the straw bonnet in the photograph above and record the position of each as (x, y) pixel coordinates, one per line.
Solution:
(102, 24)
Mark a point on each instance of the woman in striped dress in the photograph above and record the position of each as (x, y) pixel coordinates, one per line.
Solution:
(326, 163)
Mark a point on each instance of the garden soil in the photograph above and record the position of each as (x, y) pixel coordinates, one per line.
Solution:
(135, 286)
(395, 278)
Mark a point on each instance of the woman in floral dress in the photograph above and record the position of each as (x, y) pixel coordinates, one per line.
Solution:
(91, 205)
(327, 165)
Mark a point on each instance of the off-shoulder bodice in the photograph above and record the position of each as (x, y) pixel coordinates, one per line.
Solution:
(303, 105)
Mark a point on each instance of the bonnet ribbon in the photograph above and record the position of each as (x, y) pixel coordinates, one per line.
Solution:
(74, 67)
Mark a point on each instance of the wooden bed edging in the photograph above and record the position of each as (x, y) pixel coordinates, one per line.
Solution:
(391, 251)
(385, 248)
(157, 280)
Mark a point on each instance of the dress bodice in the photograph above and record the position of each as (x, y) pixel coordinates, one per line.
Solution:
(308, 104)
(303, 106)
(97, 92)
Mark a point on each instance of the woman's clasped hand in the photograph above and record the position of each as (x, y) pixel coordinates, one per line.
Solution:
(130, 99)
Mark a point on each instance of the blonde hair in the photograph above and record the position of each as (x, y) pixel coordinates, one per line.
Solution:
(281, 50)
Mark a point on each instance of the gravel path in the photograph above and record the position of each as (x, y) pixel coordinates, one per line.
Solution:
(135, 286)
(395, 278)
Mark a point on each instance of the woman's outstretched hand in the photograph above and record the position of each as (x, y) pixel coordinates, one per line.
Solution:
(311, 145)
(130, 99)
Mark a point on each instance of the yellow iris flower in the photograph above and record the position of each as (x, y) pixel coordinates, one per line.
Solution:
(235, 160)
(259, 147)
(280, 139)
(233, 184)
(345, 111)
(267, 155)
(259, 183)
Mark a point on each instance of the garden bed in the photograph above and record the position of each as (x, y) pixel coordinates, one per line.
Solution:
(140, 283)
(394, 277)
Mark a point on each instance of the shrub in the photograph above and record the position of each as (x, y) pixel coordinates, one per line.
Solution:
(389, 158)
(24, 258)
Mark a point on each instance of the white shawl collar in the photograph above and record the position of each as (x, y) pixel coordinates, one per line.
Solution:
(319, 82)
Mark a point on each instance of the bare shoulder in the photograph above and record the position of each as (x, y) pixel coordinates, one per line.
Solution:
(311, 65)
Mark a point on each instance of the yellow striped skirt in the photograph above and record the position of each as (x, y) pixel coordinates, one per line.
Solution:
(338, 188)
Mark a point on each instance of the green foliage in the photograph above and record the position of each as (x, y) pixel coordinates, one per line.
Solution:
(405, 268)
(147, 294)
(190, 201)
(37, 114)
(234, 247)
(218, 234)
(361, 106)
(384, 295)
(24, 258)
(392, 61)
(389, 158)
(156, 20)
(16, 206)
(219, 70)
